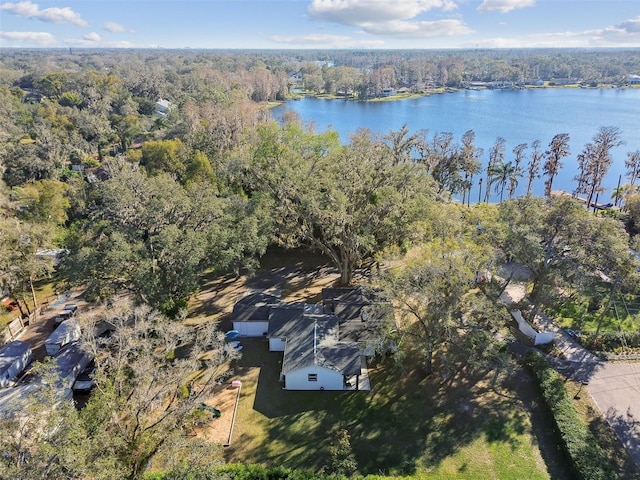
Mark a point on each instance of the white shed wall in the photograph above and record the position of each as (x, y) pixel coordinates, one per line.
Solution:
(327, 379)
(276, 344)
(251, 329)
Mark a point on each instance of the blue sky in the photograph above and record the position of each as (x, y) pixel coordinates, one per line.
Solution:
(321, 24)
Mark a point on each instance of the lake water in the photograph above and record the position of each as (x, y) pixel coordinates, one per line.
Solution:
(519, 116)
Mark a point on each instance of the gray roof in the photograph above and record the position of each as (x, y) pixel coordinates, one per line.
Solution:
(316, 343)
(12, 351)
(358, 323)
(285, 318)
(360, 312)
(250, 313)
(345, 294)
(70, 362)
(286, 321)
(254, 307)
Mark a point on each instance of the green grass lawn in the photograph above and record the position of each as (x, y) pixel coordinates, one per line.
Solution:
(44, 294)
(592, 309)
(406, 426)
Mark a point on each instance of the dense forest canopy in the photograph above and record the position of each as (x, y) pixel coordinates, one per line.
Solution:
(152, 167)
(192, 123)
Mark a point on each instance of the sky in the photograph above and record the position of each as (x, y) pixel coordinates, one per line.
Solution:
(320, 24)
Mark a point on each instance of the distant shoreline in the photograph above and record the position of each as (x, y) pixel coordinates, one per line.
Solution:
(441, 90)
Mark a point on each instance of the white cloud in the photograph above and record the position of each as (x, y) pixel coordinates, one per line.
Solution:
(439, 28)
(39, 38)
(91, 41)
(54, 14)
(625, 34)
(390, 18)
(115, 27)
(92, 37)
(357, 12)
(504, 6)
(630, 26)
(334, 41)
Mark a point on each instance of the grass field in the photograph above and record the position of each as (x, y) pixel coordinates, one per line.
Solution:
(621, 314)
(406, 426)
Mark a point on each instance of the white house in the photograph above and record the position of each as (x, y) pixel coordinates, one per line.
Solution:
(67, 332)
(313, 357)
(322, 344)
(14, 358)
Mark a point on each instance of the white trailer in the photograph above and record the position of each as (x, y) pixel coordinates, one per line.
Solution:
(14, 358)
(67, 332)
(70, 362)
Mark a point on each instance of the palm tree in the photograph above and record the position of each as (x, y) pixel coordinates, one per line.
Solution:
(621, 192)
(518, 151)
(496, 157)
(503, 173)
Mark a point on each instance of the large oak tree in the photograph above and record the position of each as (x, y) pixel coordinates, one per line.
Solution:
(563, 244)
(349, 202)
(155, 237)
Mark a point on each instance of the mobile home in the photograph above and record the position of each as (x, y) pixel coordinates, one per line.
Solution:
(14, 358)
(67, 332)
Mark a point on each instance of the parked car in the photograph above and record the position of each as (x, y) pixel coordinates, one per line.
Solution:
(70, 306)
(68, 311)
(232, 335)
(9, 304)
(572, 333)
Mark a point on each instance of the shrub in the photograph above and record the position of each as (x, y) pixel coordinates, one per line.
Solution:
(612, 341)
(245, 472)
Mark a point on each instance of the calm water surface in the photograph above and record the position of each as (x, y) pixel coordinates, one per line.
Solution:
(519, 116)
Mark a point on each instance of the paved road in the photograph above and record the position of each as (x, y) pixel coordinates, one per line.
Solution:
(614, 386)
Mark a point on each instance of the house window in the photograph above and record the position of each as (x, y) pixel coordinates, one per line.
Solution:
(312, 377)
